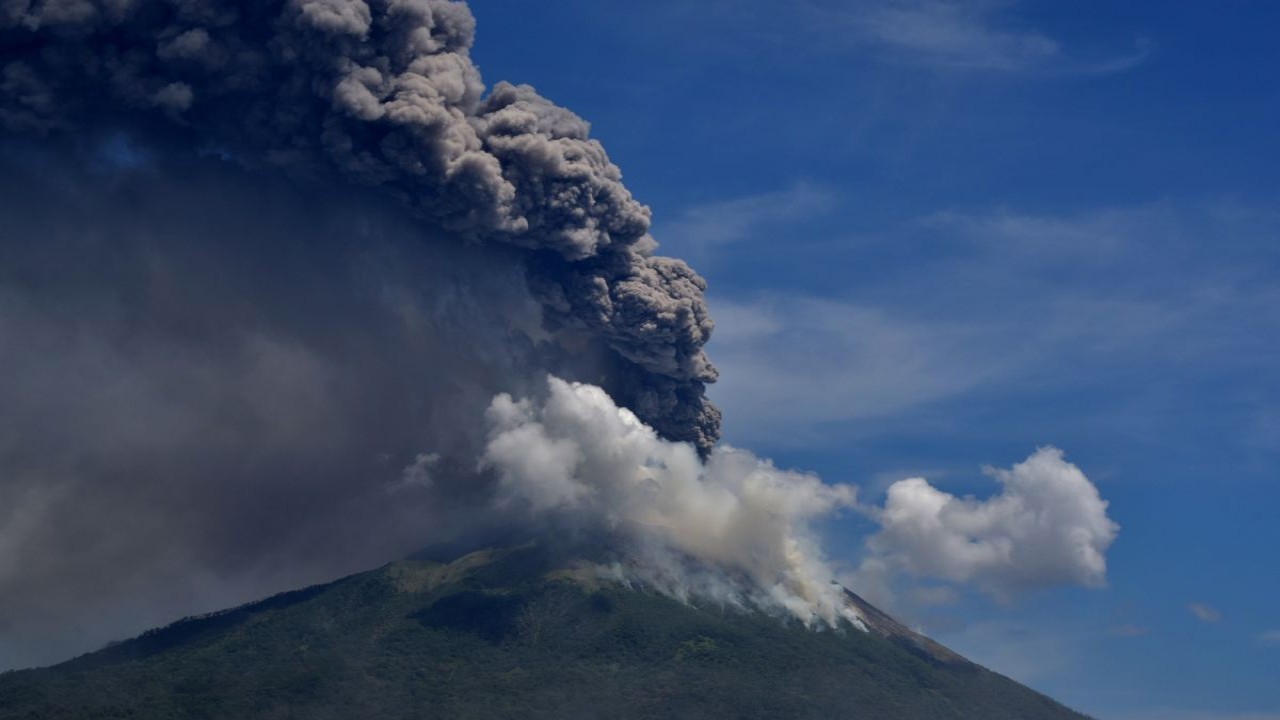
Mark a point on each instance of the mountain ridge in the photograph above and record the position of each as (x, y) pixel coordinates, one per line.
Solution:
(514, 632)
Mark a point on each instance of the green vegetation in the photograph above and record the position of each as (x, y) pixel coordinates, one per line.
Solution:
(507, 634)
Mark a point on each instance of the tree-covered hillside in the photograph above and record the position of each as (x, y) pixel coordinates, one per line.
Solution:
(509, 634)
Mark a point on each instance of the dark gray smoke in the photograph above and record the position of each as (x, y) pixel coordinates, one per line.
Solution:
(263, 267)
(215, 384)
(383, 93)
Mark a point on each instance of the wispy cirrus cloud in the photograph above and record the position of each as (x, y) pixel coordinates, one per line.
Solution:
(966, 36)
(723, 222)
(965, 300)
(1205, 613)
(857, 361)
(963, 36)
(1130, 631)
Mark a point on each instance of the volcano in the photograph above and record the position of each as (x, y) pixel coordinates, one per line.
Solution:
(528, 632)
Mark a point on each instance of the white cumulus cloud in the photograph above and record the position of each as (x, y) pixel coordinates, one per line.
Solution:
(1048, 526)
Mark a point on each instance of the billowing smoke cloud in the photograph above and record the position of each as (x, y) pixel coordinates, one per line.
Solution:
(734, 528)
(383, 94)
(1048, 526)
(263, 270)
(263, 267)
(215, 385)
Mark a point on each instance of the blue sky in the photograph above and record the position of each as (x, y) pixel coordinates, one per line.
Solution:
(940, 236)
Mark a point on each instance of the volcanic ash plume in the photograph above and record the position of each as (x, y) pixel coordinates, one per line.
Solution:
(263, 267)
(382, 94)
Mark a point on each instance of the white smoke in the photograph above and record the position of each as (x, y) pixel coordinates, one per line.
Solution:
(737, 529)
(1048, 526)
(734, 528)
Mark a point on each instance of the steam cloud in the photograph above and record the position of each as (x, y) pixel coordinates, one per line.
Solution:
(744, 522)
(748, 525)
(273, 274)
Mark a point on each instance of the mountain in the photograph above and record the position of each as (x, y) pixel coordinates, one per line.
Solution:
(514, 633)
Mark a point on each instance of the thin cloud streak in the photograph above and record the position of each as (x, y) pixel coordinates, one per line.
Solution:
(716, 224)
(1205, 613)
(967, 37)
(863, 362)
(1002, 298)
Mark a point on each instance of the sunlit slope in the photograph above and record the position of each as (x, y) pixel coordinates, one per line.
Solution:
(511, 634)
